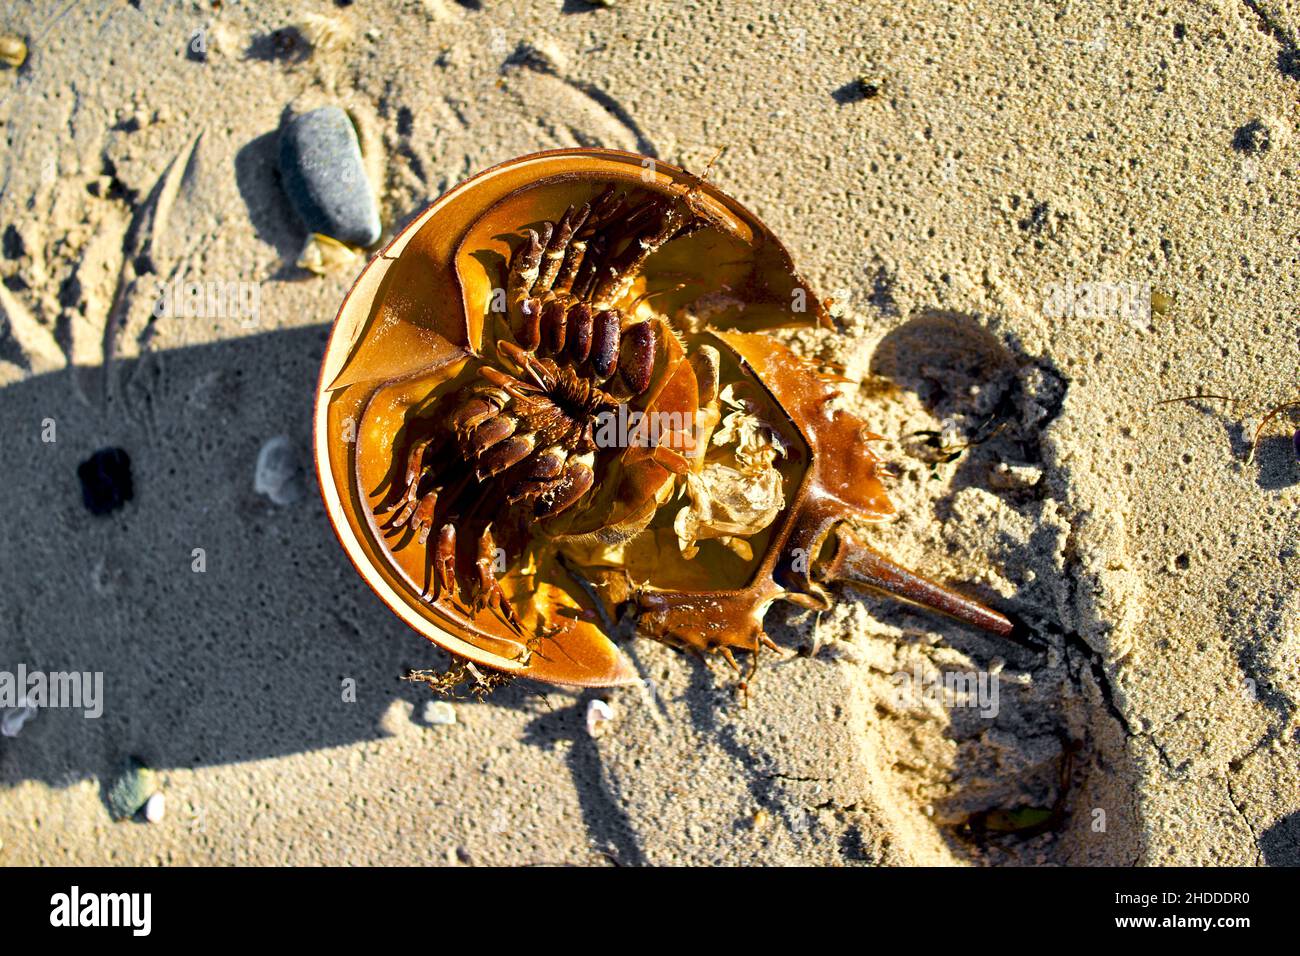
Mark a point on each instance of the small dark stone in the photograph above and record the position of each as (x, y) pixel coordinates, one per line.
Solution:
(325, 179)
(106, 481)
(405, 121)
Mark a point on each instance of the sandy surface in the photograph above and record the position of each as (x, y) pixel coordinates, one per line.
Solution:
(1002, 156)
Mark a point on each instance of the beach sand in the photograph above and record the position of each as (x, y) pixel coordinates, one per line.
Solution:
(1050, 219)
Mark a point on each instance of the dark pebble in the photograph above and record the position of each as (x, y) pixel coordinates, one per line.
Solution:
(106, 481)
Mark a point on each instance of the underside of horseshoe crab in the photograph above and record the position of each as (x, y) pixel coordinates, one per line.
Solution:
(552, 398)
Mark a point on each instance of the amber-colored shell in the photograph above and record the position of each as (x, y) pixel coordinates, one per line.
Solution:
(417, 323)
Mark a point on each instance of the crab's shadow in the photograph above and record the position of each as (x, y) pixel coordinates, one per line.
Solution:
(269, 645)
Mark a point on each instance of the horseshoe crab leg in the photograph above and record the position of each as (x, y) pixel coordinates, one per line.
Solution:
(856, 563)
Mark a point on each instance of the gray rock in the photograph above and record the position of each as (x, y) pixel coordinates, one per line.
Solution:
(323, 175)
(131, 789)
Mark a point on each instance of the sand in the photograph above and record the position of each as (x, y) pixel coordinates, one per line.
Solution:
(946, 170)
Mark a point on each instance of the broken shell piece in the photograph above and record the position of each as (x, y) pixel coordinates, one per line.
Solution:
(439, 713)
(599, 716)
(323, 255)
(728, 504)
(737, 497)
(277, 473)
(1006, 477)
(11, 725)
(13, 51)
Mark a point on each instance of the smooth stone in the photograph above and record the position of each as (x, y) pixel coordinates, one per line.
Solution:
(131, 790)
(325, 179)
(155, 808)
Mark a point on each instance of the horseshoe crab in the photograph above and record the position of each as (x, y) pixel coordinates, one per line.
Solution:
(552, 397)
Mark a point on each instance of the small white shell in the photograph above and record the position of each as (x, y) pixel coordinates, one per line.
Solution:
(11, 725)
(439, 713)
(155, 808)
(277, 473)
(599, 715)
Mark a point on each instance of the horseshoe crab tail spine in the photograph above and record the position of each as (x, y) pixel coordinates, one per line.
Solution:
(855, 563)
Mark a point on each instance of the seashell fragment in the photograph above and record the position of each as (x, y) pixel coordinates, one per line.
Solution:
(277, 473)
(11, 725)
(323, 255)
(13, 51)
(600, 715)
(439, 713)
